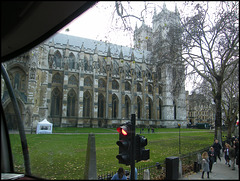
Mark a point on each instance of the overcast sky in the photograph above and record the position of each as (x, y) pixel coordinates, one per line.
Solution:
(97, 24)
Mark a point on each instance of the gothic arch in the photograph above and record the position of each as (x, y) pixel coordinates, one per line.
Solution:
(57, 78)
(101, 106)
(57, 59)
(10, 113)
(139, 87)
(127, 106)
(72, 103)
(115, 102)
(88, 81)
(101, 83)
(18, 78)
(72, 61)
(127, 86)
(150, 108)
(72, 80)
(87, 100)
(115, 84)
(139, 107)
(56, 102)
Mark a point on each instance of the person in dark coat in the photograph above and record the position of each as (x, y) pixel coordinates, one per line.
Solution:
(211, 155)
(217, 147)
(232, 156)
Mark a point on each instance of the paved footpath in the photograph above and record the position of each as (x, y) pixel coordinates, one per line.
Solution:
(220, 171)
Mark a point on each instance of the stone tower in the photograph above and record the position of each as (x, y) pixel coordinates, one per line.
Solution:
(142, 37)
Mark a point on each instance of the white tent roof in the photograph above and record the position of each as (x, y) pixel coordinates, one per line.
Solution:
(45, 122)
(44, 127)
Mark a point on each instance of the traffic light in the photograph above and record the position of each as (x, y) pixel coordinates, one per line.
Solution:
(141, 152)
(124, 143)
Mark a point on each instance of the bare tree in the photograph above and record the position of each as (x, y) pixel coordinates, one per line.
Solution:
(211, 47)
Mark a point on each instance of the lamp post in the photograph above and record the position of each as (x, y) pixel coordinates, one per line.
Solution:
(179, 126)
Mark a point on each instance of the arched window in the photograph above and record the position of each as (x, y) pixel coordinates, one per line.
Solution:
(86, 67)
(88, 81)
(175, 110)
(56, 102)
(115, 85)
(127, 106)
(149, 89)
(160, 109)
(18, 79)
(71, 103)
(71, 61)
(150, 106)
(139, 87)
(72, 80)
(86, 104)
(160, 90)
(101, 103)
(114, 106)
(139, 107)
(57, 58)
(57, 78)
(101, 83)
(127, 86)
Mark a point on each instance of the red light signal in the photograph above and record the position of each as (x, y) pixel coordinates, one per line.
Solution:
(122, 131)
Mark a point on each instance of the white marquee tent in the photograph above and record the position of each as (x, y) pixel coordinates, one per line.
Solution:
(44, 127)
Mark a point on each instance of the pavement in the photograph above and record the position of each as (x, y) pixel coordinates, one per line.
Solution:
(220, 171)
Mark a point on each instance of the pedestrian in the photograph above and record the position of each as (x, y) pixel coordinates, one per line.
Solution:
(237, 151)
(205, 164)
(226, 153)
(211, 156)
(232, 157)
(120, 175)
(217, 147)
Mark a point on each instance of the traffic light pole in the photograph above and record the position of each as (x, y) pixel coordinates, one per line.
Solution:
(133, 146)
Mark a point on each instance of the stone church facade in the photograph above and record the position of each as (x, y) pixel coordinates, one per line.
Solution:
(73, 81)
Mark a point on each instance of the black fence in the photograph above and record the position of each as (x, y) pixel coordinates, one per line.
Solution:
(190, 162)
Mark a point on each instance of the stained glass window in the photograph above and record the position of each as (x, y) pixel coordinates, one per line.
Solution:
(115, 84)
(71, 103)
(86, 104)
(114, 106)
(100, 106)
(56, 102)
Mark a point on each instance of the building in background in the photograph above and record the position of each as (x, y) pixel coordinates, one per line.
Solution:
(200, 109)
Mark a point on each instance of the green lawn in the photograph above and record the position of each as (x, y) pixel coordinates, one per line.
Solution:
(62, 156)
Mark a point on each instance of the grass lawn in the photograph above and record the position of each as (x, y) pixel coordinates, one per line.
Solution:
(62, 156)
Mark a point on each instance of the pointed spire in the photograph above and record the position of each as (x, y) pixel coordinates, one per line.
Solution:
(132, 56)
(176, 9)
(155, 13)
(121, 53)
(143, 57)
(109, 52)
(136, 26)
(51, 43)
(95, 50)
(164, 6)
(82, 47)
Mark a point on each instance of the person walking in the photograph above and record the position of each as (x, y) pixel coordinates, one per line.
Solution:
(211, 156)
(232, 157)
(120, 175)
(226, 152)
(217, 147)
(205, 164)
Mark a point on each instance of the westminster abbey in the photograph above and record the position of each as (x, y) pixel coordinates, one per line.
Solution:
(78, 82)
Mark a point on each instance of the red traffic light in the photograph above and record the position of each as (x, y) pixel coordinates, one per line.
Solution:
(122, 131)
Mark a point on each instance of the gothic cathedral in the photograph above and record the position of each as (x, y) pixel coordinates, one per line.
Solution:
(78, 82)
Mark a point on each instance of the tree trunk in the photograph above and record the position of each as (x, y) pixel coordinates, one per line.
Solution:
(218, 119)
